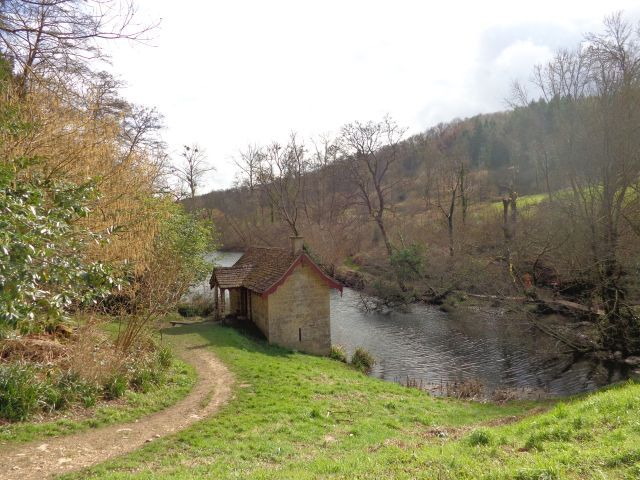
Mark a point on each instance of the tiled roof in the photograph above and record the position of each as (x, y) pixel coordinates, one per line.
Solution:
(230, 277)
(262, 269)
(257, 269)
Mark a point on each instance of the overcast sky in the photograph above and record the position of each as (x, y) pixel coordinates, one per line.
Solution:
(225, 74)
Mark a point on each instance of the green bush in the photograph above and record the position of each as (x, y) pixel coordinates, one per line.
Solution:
(50, 397)
(315, 413)
(141, 380)
(196, 308)
(146, 375)
(182, 242)
(27, 388)
(19, 393)
(22, 393)
(74, 389)
(41, 219)
(338, 353)
(115, 387)
(362, 360)
(165, 357)
(479, 437)
(408, 262)
(187, 310)
(534, 442)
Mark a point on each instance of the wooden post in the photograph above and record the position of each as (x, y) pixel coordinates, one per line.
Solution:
(216, 302)
(222, 303)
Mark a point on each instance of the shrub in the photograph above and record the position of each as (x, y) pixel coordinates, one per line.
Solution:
(362, 360)
(203, 304)
(95, 373)
(115, 386)
(165, 357)
(75, 389)
(145, 375)
(560, 411)
(534, 442)
(41, 220)
(408, 262)
(18, 391)
(387, 295)
(195, 309)
(479, 437)
(141, 380)
(50, 398)
(338, 353)
(187, 310)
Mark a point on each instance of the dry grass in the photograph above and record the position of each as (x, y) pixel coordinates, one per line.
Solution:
(33, 349)
(92, 354)
(89, 352)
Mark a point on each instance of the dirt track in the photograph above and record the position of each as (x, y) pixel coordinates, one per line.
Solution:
(53, 456)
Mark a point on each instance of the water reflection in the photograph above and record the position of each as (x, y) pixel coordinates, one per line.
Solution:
(434, 347)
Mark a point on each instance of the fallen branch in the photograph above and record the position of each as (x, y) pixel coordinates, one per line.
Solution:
(558, 336)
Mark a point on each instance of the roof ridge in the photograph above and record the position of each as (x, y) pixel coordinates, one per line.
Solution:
(265, 247)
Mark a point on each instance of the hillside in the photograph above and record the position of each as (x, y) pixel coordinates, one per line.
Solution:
(444, 193)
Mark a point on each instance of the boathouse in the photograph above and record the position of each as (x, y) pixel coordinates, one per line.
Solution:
(283, 291)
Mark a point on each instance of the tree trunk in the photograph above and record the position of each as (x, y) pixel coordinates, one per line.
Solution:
(385, 237)
(613, 325)
(506, 228)
(450, 230)
(463, 195)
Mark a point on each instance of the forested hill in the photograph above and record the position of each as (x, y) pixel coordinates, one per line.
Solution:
(497, 152)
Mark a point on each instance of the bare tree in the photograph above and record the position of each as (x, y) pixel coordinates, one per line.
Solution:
(282, 178)
(450, 172)
(248, 162)
(509, 223)
(370, 149)
(323, 202)
(193, 168)
(447, 193)
(57, 38)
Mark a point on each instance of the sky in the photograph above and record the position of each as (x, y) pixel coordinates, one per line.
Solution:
(227, 74)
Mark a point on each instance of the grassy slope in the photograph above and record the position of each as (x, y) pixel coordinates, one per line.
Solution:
(523, 201)
(180, 379)
(298, 416)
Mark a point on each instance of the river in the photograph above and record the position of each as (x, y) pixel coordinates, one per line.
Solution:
(432, 348)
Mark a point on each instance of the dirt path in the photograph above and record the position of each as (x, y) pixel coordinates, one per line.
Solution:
(53, 456)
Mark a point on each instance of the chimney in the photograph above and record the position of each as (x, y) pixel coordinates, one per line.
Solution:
(296, 244)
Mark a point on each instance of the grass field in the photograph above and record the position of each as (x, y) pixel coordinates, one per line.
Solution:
(303, 417)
